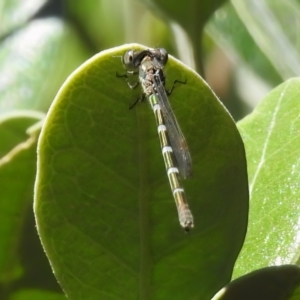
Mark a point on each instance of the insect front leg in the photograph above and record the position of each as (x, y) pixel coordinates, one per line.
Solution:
(139, 99)
(132, 86)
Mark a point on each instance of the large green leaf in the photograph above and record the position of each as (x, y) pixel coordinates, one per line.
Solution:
(103, 204)
(271, 136)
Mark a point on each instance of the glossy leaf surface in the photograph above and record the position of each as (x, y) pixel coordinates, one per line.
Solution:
(271, 136)
(103, 204)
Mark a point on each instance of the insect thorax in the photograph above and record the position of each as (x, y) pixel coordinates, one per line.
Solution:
(147, 73)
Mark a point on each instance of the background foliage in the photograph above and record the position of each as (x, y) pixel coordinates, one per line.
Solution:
(243, 48)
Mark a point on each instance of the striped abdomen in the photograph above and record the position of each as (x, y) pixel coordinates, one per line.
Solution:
(184, 213)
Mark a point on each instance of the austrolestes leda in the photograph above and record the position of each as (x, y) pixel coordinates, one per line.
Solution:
(149, 65)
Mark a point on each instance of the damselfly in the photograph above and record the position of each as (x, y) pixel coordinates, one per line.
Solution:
(149, 64)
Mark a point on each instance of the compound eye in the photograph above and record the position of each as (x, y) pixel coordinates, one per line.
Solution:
(128, 59)
(163, 56)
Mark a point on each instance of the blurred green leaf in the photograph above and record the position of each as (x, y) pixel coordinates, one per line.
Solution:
(17, 172)
(22, 262)
(103, 204)
(36, 295)
(267, 22)
(105, 23)
(15, 13)
(271, 137)
(114, 22)
(192, 15)
(14, 128)
(272, 283)
(229, 32)
(34, 62)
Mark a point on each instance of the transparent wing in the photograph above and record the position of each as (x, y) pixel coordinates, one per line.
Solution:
(177, 139)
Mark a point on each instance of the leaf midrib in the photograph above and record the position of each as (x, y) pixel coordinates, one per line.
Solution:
(146, 263)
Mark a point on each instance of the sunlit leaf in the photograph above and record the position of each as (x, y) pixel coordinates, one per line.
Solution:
(103, 204)
(272, 141)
